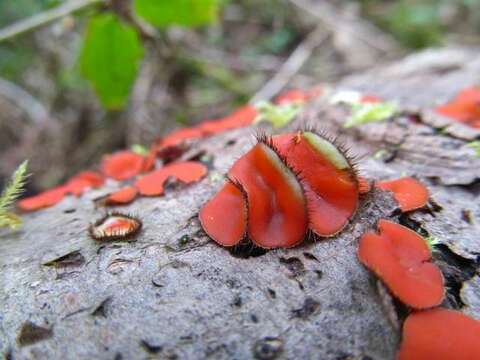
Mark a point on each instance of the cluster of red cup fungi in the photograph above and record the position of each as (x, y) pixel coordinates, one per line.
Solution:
(284, 186)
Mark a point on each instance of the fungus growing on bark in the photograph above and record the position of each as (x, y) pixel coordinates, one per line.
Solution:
(123, 165)
(149, 161)
(327, 177)
(401, 259)
(243, 116)
(292, 96)
(115, 226)
(410, 194)
(84, 180)
(224, 217)
(277, 215)
(464, 108)
(76, 185)
(179, 136)
(123, 196)
(370, 99)
(298, 96)
(43, 200)
(152, 184)
(440, 334)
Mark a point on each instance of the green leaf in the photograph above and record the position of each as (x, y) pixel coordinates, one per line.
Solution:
(110, 58)
(278, 115)
(363, 113)
(163, 13)
(475, 145)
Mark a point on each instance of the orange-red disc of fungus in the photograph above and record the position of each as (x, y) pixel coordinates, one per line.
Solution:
(370, 99)
(292, 96)
(76, 185)
(277, 216)
(43, 200)
(243, 116)
(327, 177)
(83, 181)
(179, 136)
(298, 96)
(224, 217)
(401, 259)
(152, 184)
(149, 160)
(410, 194)
(464, 108)
(440, 334)
(122, 196)
(123, 165)
(115, 226)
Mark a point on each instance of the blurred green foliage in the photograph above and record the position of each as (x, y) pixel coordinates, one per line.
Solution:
(112, 46)
(18, 9)
(418, 23)
(179, 12)
(15, 57)
(278, 41)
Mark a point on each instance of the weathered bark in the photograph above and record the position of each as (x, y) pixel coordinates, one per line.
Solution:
(173, 293)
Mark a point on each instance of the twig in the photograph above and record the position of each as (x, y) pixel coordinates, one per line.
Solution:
(358, 29)
(15, 94)
(43, 18)
(290, 67)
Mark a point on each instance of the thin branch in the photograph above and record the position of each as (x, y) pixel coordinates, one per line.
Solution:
(15, 94)
(43, 18)
(290, 67)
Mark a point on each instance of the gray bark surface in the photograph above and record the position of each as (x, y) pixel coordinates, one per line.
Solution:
(173, 293)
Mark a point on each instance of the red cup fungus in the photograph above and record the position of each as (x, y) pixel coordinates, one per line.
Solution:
(401, 259)
(224, 217)
(123, 196)
(327, 177)
(464, 108)
(152, 184)
(440, 334)
(115, 226)
(410, 193)
(123, 165)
